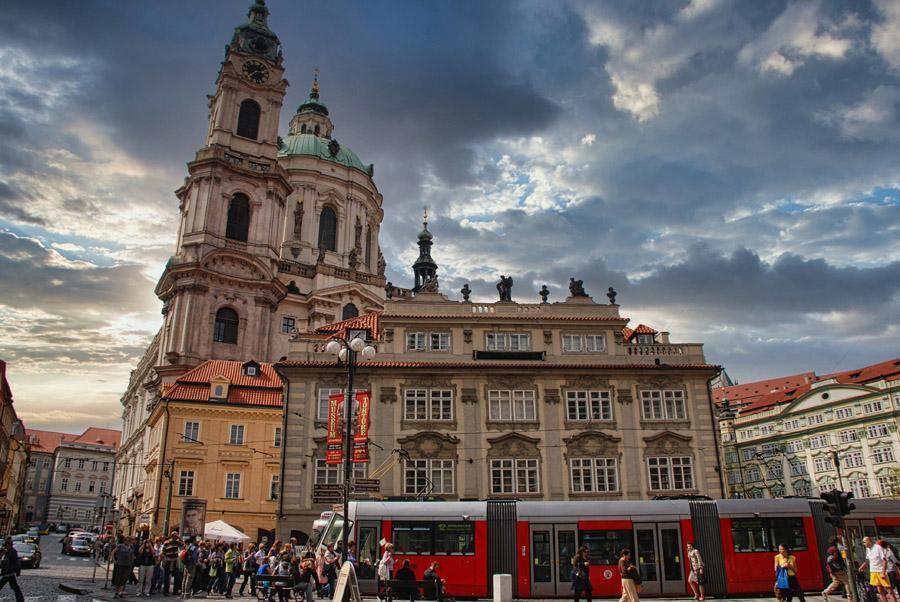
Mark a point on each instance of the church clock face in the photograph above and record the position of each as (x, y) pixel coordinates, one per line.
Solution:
(256, 72)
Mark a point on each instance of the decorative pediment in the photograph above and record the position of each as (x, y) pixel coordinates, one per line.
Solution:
(430, 444)
(667, 443)
(218, 387)
(428, 381)
(388, 395)
(660, 382)
(511, 381)
(551, 395)
(469, 395)
(235, 266)
(330, 196)
(586, 381)
(514, 445)
(592, 444)
(339, 381)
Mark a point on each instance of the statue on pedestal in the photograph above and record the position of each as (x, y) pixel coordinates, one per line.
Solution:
(504, 287)
(466, 291)
(611, 295)
(544, 293)
(576, 288)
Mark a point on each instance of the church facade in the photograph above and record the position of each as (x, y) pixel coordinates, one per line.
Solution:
(276, 234)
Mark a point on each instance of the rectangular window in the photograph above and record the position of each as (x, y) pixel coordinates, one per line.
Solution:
(507, 341)
(594, 475)
(734, 477)
(753, 474)
(80, 464)
(670, 473)
(818, 441)
(876, 430)
(769, 449)
(64, 484)
(288, 325)
(887, 485)
(645, 339)
(604, 546)
(237, 434)
(428, 404)
(871, 407)
(94, 465)
(766, 429)
(428, 341)
(594, 343)
(815, 419)
(731, 457)
(798, 468)
(441, 538)
(793, 447)
(748, 453)
(512, 406)
(191, 432)
(412, 538)
(276, 440)
(435, 475)
(776, 471)
(77, 486)
(880, 455)
(332, 474)
(793, 424)
(92, 485)
(663, 405)
(232, 485)
(766, 534)
(572, 343)
(67, 463)
(823, 464)
(274, 484)
(106, 467)
(842, 413)
(514, 476)
(102, 487)
(186, 483)
(854, 460)
(848, 436)
(324, 394)
(860, 488)
(588, 405)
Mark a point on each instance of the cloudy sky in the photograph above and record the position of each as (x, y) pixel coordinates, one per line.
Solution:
(730, 167)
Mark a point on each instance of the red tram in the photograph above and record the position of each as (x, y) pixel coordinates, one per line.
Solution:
(535, 541)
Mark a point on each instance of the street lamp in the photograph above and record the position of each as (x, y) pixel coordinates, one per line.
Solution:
(347, 353)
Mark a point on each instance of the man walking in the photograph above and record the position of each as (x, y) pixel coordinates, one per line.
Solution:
(170, 565)
(10, 569)
(876, 559)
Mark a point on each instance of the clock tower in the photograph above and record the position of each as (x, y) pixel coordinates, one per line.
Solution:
(220, 289)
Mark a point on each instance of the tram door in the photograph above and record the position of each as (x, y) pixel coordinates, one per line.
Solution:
(857, 529)
(552, 549)
(659, 558)
(367, 549)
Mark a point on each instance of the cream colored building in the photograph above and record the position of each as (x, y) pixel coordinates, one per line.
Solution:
(277, 234)
(548, 401)
(785, 442)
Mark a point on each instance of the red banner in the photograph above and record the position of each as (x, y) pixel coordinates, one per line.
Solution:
(361, 438)
(334, 448)
(334, 441)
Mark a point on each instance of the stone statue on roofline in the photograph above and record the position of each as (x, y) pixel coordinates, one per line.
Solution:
(504, 287)
(544, 293)
(466, 291)
(576, 288)
(611, 295)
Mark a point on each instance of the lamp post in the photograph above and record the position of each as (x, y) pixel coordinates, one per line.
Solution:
(347, 353)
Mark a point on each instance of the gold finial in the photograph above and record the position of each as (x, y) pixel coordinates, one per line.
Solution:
(425, 215)
(314, 91)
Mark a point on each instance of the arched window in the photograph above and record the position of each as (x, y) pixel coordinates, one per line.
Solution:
(226, 330)
(303, 129)
(248, 119)
(317, 130)
(238, 218)
(328, 229)
(350, 311)
(369, 249)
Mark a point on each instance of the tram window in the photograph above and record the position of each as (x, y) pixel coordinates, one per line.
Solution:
(454, 538)
(605, 546)
(788, 531)
(766, 534)
(412, 538)
(890, 534)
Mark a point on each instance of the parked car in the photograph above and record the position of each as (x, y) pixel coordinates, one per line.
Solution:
(62, 528)
(29, 555)
(78, 546)
(33, 531)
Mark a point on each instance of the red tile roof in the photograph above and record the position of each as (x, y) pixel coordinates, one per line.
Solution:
(788, 392)
(49, 441)
(629, 333)
(512, 365)
(370, 322)
(750, 391)
(262, 390)
(516, 317)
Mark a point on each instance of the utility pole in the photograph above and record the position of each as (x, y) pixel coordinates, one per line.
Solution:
(171, 475)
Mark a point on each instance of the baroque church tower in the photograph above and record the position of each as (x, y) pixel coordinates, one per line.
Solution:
(276, 235)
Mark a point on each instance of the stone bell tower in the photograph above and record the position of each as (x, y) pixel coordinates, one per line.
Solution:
(220, 289)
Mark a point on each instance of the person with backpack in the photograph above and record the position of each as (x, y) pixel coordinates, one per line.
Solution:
(10, 569)
(837, 569)
(581, 575)
(248, 569)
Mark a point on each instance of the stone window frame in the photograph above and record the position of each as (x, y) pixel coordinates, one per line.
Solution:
(427, 346)
(580, 423)
(593, 444)
(583, 342)
(407, 422)
(666, 419)
(514, 446)
(506, 338)
(668, 444)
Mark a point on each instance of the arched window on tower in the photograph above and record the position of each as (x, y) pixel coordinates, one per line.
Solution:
(226, 328)
(303, 129)
(350, 311)
(328, 229)
(248, 119)
(238, 218)
(369, 235)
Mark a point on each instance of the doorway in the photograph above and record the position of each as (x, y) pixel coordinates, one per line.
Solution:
(659, 558)
(552, 550)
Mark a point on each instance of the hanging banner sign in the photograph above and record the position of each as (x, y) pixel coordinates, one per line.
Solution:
(334, 441)
(361, 438)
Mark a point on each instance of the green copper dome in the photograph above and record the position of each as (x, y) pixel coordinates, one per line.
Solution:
(310, 144)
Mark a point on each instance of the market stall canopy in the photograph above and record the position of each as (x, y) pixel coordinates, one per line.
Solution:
(221, 531)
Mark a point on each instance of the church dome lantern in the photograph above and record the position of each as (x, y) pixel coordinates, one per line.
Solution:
(255, 37)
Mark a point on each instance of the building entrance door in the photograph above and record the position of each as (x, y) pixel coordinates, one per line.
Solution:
(659, 558)
(552, 549)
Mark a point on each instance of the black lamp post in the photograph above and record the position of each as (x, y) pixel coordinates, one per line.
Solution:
(347, 353)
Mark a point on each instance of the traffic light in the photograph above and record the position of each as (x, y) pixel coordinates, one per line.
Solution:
(843, 502)
(832, 506)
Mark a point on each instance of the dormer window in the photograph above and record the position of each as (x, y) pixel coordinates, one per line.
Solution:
(250, 368)
(645, 339)
(218, 388)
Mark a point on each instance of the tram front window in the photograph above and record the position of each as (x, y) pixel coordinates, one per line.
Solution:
(332, 533)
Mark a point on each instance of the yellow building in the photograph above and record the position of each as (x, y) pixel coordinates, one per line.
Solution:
(216, 436)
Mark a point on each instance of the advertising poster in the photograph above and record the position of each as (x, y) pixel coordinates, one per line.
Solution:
(193, 518)
(361, 436)
(334, 440)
